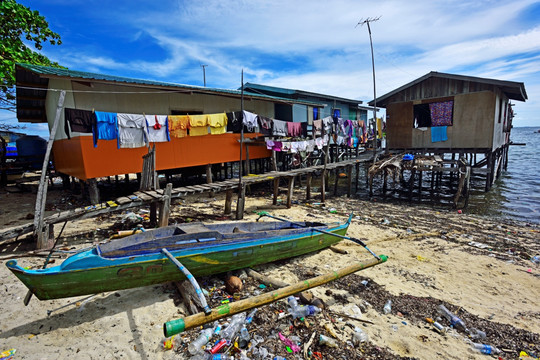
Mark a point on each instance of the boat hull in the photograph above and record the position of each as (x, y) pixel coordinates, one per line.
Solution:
(102, 275)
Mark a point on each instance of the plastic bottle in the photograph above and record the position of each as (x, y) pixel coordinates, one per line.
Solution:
(291, 300)
(387, 307)
(325, 340)
(250, 316)
(454, 320)
(279, 358)
(222, 357)
(234, 326)
(303, 311)
(476, 334)
(359, 336)
(204, 337)
(201, 356)
(485, 349)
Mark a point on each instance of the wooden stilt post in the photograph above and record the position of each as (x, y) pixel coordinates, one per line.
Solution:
(309, 177)
(276, 190)
(209, 178)
(349, 180)
(42, 189)
(336, 174)
(241, 202)
(357, 168)
(323, 186)
(164, 210)
(421, 173)
(290, 188)
(411, 183)
(228, 201)
(93, 191)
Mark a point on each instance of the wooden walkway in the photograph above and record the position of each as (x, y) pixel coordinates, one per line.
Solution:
(142, 198)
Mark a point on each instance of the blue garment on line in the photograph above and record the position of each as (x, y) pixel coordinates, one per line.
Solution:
(106, 126)
(438, 133)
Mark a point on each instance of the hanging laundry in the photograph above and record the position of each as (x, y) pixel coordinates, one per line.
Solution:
(294, 129)
(441, 113)
(158, 128)
(81, 121)
(328, 123)
(132, 131)
(310, 145)
(265, 125)
(106, 127)
(234, 121)
(250, 121)
(438, 133)
(280, 128)
(218, 123)
(198, 125)
(269, 144)
(178, 125)
(286, 146)
(304, 131)
(295, 146)
(317, 128)
(277, 146)
(319, 143)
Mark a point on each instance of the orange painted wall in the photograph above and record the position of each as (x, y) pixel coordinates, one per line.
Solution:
(77, 156)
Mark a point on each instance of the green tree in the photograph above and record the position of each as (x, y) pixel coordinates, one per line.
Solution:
(20, 24)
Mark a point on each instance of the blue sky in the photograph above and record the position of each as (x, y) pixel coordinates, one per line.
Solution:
(308, 45)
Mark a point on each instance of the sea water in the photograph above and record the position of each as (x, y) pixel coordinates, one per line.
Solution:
(516, 194)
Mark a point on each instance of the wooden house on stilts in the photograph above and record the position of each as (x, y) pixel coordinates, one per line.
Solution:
(454, 116)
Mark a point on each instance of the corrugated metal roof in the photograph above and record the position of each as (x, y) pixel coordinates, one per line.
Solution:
(294, 94)
(514, 90)
(47, 71)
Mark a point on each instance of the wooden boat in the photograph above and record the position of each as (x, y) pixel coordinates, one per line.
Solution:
(204, 249)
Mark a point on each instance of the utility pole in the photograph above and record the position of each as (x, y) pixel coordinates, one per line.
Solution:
(204, 73)
(362, 22)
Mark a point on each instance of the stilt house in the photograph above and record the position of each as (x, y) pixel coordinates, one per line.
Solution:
(453, 114)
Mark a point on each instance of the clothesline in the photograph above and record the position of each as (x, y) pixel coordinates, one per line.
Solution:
(138, 130)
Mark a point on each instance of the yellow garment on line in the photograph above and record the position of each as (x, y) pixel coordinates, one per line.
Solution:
(218, 123)
(198, 125)
(379, 128)
(178, 125)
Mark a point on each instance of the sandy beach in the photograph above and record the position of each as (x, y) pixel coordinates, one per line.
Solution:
(479, 268)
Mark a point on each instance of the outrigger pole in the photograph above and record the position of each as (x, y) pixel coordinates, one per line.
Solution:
(358, 241)
(177, 326)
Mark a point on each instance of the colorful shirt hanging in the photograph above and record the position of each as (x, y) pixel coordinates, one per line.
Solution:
(217, 123)
(441, 113)
(234, 121)
(438, 133)
(294, 129)
(265, 125)
(280, 128)
(250, 121)
(106, 127)
(198, 125)
(158, 128)
(178, 125)
(132, 131)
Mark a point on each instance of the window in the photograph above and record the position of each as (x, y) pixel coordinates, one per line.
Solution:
(433, 114)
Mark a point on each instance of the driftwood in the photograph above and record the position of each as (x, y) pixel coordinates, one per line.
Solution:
(338, 250)
(191, 300)
(265, 280)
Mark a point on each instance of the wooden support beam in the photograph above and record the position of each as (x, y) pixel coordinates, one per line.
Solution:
(228, 201)
(93, 191)
(290, 188)
(336, 181)
(349, 180)
(42, 189)
(276, 190)
(323, 186)
(309, 177)
(241, 202)
(164, 210)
